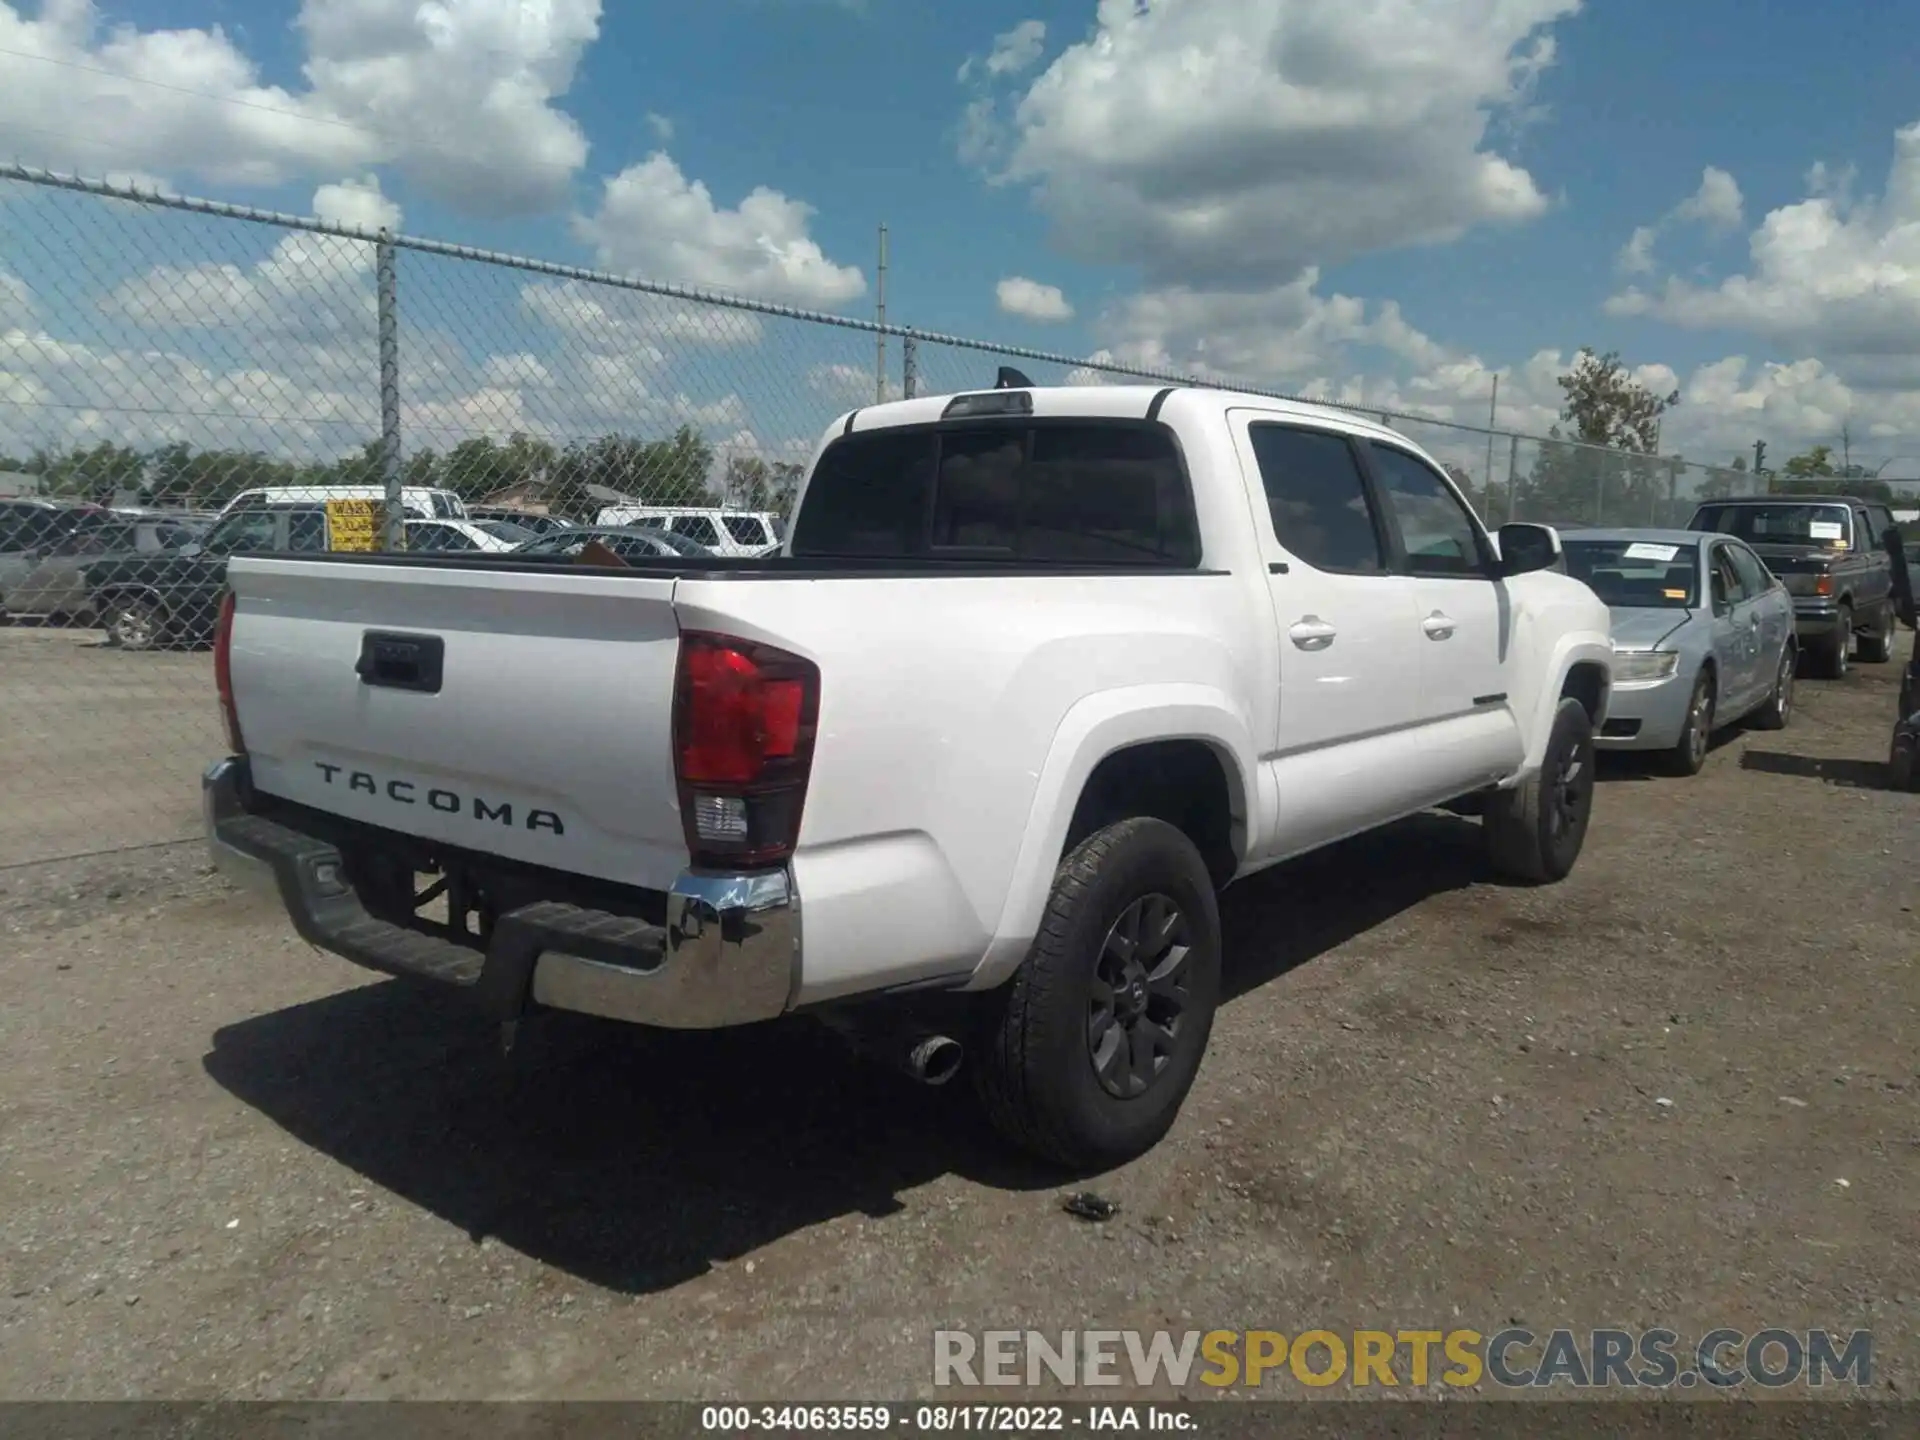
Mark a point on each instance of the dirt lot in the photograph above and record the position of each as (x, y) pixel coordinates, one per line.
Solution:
(103, 749)
(1679, 1089)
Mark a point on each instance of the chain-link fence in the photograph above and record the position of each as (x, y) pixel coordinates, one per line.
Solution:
(182, 381)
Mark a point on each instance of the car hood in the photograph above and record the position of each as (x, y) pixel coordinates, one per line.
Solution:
(1638, 628)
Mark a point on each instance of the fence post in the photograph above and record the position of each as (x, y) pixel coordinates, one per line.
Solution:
(388, 301)
(1673, 492)
(1513, 478)
(909, 366)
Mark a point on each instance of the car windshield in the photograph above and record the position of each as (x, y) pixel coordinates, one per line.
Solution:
(1779, 524)
(1636, 574)
(241, 531)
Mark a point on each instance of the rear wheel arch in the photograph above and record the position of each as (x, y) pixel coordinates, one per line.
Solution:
(1185, 782)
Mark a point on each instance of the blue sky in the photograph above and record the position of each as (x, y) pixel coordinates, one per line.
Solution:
(1301, 263)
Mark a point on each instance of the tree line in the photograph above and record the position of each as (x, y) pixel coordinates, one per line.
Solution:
(681, 469)
(1603, 467)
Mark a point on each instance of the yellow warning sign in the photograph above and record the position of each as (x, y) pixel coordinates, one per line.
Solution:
(355, 524)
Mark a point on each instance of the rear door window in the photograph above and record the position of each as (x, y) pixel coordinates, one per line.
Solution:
(697, 528)
(1317, 498)
(747, 529)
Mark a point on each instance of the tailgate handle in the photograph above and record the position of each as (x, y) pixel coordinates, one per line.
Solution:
(401, 662)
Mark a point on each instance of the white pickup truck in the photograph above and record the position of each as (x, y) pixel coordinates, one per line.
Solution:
(959, 770)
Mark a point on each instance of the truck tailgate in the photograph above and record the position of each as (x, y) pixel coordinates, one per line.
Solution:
(547, 738)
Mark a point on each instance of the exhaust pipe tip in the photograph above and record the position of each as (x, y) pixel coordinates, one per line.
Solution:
(935, 1060)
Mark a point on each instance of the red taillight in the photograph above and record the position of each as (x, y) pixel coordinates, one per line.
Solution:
(1823, 585)
(743, 725)
(223, 673)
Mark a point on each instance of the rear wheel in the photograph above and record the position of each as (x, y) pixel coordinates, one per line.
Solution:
(1778, 710)
(1535, 831)
(1093, 1045)
(134, 623)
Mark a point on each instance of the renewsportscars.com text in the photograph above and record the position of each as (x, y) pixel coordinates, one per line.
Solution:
(1512, 1358)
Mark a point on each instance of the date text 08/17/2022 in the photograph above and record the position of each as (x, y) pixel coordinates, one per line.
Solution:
(941, 1419)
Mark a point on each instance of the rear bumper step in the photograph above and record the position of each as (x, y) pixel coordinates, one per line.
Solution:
(729, 953)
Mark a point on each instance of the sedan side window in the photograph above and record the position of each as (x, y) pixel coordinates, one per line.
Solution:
(1728, 588)
(1753, 575)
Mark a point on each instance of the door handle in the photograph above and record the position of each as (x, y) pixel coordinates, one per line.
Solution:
(1310, 632)
(1437, 626)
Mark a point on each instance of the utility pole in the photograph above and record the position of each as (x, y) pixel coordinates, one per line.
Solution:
(1759, 457)
(880, 337)
(1493, 409)
(1846, 448)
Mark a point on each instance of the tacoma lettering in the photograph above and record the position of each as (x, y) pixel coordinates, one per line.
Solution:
(447, 802)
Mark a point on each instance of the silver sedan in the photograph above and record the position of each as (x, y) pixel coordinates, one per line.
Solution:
(1703, 636)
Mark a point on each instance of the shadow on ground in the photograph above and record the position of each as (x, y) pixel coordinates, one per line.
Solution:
(1845, 772)
(633, 1159)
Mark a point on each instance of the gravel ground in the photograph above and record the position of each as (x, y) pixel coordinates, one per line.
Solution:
(103, 748)
(232, 1167)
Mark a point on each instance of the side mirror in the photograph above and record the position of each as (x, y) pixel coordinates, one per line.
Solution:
(1525, 548)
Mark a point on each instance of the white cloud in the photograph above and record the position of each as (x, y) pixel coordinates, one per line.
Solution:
(661, 125)
(654, 222)
(1636, 256)
(1827, 275)
(842, 385)
(1030, 300)
(459, 95)
(633, 324)
(17, 310)
(357, 202)
(1717, 203)
(1235, 143)
(1013, 51)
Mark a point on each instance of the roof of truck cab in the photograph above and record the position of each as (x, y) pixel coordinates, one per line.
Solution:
(1131, 402)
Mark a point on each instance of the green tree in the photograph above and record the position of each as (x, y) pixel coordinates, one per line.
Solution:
(1817, 461)
(1603, 468)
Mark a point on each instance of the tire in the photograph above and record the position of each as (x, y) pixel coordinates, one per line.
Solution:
(1877, 648)
(1836, 650)
(1903, 774)
(134, 623)
(1689, 752)
(1535, 832)
(1778, 711)
(1037, 1076)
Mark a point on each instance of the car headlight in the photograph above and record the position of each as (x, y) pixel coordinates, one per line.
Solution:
(1644, 664)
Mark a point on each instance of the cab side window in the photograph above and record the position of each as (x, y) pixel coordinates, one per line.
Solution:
(1317, 499)
(1437, 534)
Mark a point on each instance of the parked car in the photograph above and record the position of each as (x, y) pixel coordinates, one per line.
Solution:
(525, 519)
(171, 598)
(628, 542)
(1903, 754)
(31, 526)
(420, 502)
(1703, 636)
(453, 536)
(505, 530)
(56, 589)
(1828, 551)
(1027, 685)
(731, 533)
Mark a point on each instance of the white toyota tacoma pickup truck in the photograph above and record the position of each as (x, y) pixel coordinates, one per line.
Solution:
(959, 770)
